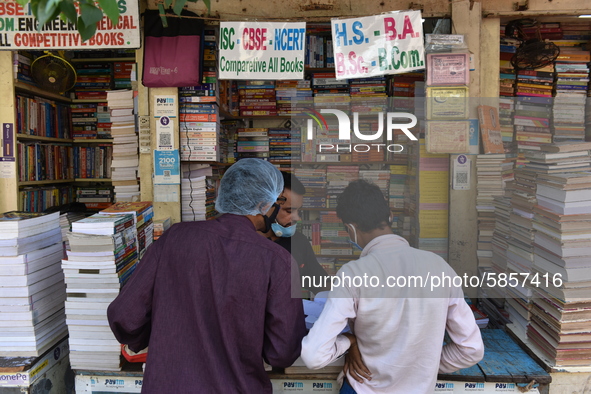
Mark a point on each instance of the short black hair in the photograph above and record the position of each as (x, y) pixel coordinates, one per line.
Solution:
(291, 182)
(363, 204)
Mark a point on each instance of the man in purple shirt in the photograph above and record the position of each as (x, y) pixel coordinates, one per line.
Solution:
(213, 299)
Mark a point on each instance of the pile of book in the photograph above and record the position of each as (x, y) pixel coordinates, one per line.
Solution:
(572, 79)
(143, 213)
(293, 96)
(194, 187)
(160, 226)
(381, 178)
(32, 293)
(125, 161)
(506, 112)
(338, 178)
(122, 74)
(368, 95)
(334, 239)
(252, 143)
(103, 121)
(284, 145)
(228, 131)
(199, 131)
(330, 92)
(507, 77)
(93, 80)
(95, 197)
(103, 256)
(398, 179)
(560, 318)
(315, 182)
(84, 121)
(257, 98)
(22, 66)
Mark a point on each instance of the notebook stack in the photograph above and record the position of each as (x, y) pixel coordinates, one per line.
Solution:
(84, 121)
(194, 191)
(125, 145)
(32, 293)
(103, 256)
(560, 322)
(338, 178)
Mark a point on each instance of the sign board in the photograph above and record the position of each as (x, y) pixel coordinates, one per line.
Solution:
(390, 43)
(262, 50)
(18, 30)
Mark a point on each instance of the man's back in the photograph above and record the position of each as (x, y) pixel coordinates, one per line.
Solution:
(399, 324)
(212, 297)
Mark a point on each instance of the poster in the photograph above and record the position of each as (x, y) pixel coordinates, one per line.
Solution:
(18, 30)
(390, 43)
(262, 50)
(448, 137)
(166, 167)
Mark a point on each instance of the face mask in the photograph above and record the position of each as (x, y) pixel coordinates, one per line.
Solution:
(281, 231)
(354, 243)
(270, 219)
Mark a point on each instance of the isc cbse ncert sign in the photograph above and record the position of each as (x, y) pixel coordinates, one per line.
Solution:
(262, 50)
(389, 43)
(18, 30)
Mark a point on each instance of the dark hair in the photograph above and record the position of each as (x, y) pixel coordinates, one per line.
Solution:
(363, 204)
(291, 182)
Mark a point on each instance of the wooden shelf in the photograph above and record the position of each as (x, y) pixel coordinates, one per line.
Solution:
(24, 87)
(103, 59)
(48, 182)
(39, 138)
(92, 180)
(339, 256)
(88, 101)
(92, 141)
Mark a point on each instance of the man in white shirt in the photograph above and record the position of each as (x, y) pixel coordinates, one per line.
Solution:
(397, 313)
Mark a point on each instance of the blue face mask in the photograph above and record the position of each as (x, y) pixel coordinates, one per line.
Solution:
(354, 243)
(281, 231)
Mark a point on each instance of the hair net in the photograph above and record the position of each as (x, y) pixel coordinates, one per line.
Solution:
(249, 187)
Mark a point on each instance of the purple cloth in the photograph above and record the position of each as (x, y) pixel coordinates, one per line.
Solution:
(211, 299)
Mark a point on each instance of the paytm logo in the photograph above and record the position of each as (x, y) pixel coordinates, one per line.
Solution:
(345, 124)
(321, 385)
(504, 385)
(474, 385)
(163, 100)
(293, 384)
(439, 385)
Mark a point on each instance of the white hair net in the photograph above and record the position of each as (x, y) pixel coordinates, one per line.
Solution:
(249, 187)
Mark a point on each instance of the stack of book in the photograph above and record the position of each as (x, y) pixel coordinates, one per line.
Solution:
(532, 119)
(315, 182)
(498, 246)
(560, 319)
(32, 293)
(252, 143)
(194, 189)
(572, 78)
(506, 113)
(257, 98)
(360, 151)
(401, 88)
(330, 92)
(381, 178)
(93, 80)
(507, 77)
(102, 258)
(338, 178)
(334, 239)
(95, 197)
(368, 95)
(398, 179)
(125, 145)
(493, 171)
(22, 66)
(199, 131)
(143, 213)
(293, 96)
(122, 74)
(284, 145)
(103, 121)
(84, 121)
(160, 226)
(559, 157)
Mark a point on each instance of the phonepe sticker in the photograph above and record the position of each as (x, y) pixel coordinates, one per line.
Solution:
(461, 173)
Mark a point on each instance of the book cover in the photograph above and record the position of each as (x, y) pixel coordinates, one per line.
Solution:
(490, 129)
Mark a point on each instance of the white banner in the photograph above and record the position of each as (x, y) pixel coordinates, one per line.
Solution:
(18, 30)
(262, 50)
(390, 43)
